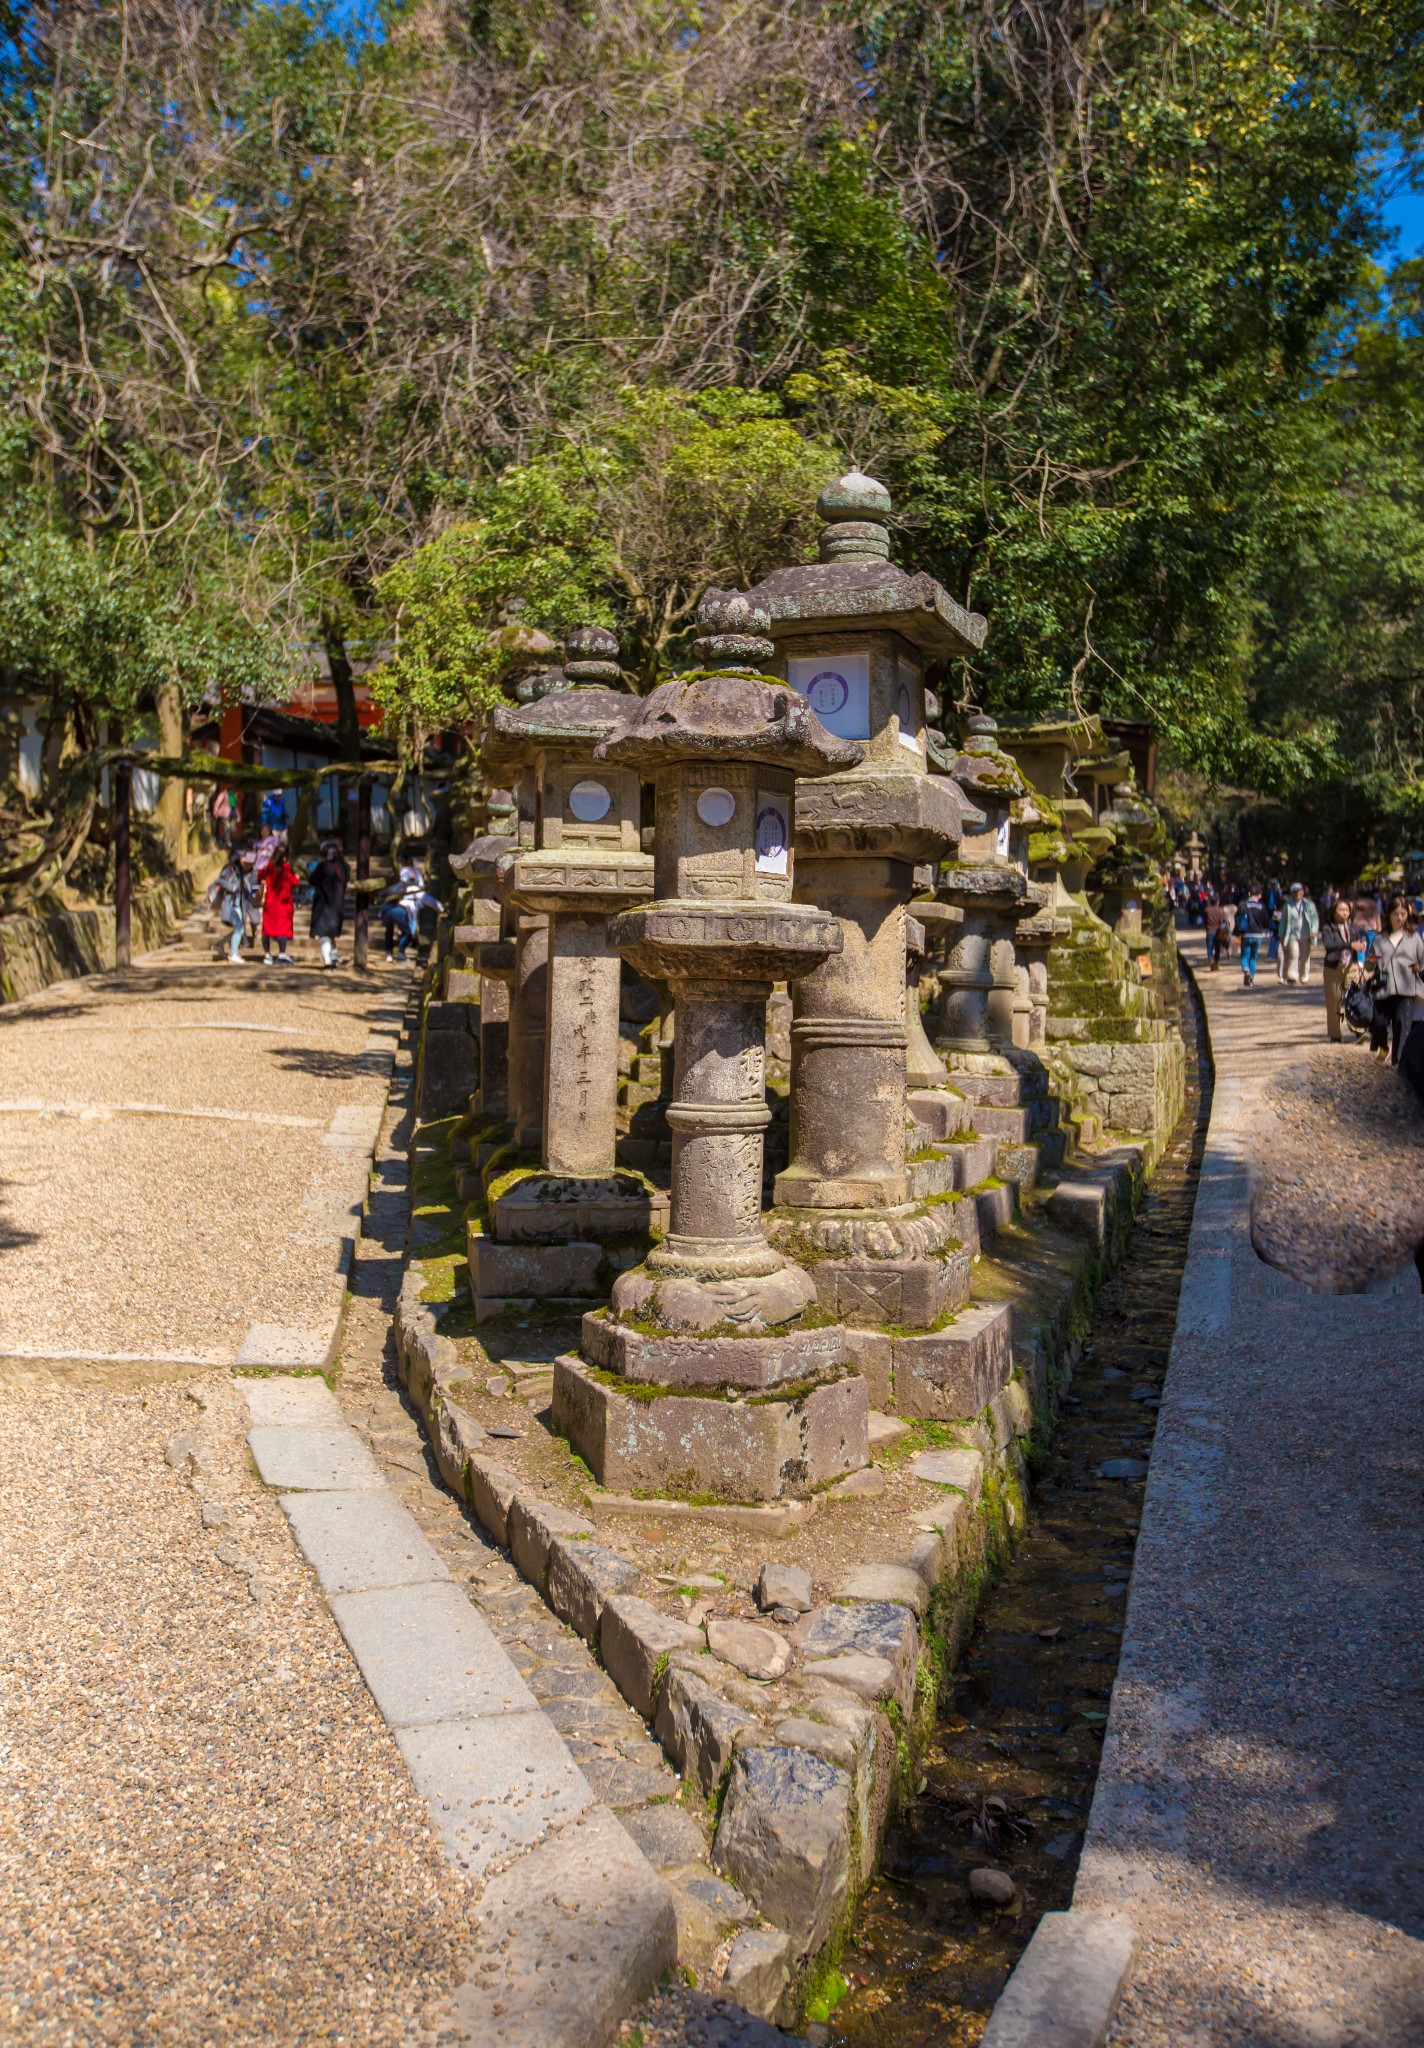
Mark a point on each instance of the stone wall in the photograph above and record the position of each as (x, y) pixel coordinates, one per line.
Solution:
(1136, 1089)
(35, 951)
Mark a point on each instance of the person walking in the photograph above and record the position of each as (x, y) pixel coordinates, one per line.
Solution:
(328, 877)
(1342, 944)
(1212, 916)
(279, 889)
(1399, 967)
(1299, 928)
(1273, 899)
(233, 900)
(1253, 923)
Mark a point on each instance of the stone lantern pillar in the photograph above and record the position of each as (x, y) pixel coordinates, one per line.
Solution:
(853, 633)
(562, 1229)
(753, 1397)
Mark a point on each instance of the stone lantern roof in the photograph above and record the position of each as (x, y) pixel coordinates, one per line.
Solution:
(725, 710)
(854, 583)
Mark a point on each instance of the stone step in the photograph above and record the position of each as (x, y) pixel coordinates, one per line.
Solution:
(937, 1112)
(995, 1207)
(1021, 1164)
(1004, 1090)
(991, 1121)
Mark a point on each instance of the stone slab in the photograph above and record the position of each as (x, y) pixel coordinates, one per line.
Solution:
(302, 1402)
(533, 1525)
(962, 1468)
(359, 1541)
(895, 1582)
(1066, 1986)
(871, 1628)
(915, 1291)
(583, 1577)
(320, 1460)
(739, 1450)
(784, 1838)
(952, 1374)
(525, 1271)
(428, 1655)
(756, 1363)
(495, 1784)
(570, 1939)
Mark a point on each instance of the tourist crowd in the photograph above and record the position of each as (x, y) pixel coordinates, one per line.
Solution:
(1372, 949)
(259, 888)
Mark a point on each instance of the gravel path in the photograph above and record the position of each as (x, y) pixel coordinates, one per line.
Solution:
(207, 1834)
(1259, 1815)
(136, 1235)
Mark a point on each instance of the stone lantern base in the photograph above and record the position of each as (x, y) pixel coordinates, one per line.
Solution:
(561, 1238)
(731, 1444)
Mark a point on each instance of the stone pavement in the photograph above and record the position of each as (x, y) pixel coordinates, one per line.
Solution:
(1259, 1816)
(183, 1150)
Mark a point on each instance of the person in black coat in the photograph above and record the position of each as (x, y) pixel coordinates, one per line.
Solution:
(328, 877)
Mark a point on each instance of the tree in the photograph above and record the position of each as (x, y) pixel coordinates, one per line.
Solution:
(626, 523)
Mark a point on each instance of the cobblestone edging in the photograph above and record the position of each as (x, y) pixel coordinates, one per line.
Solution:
(35, 951)
(799, 1763)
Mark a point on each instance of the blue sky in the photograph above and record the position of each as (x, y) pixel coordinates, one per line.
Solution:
(1405, 213)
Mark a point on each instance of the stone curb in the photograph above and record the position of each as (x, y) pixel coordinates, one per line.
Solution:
(858, 1657)
(1066, 1985)
(595, 1924)
(862, 1655)
(352, 1133)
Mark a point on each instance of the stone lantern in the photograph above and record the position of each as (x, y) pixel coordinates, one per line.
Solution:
(853, 633)
(984, 1005)
(482, 937)
(706, 1374)
(560, 1229)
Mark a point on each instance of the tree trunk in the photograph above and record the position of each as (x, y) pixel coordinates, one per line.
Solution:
(363, 874)
(123, 866)
(348, 722)
(170, 814)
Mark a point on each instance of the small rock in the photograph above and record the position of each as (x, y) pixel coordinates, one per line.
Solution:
(504, 1429)
(757, 1651)
(1113, 1372)
(215, 1517)
(1145, 1393)
(498, 1384)
(817, 2035)
(992, 1887)
(783, 1585)
(1123, 1468)
(182, 1451)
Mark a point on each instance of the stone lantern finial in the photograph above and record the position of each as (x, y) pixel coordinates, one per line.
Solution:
(855, 510)
(733, 632)
(591, 658)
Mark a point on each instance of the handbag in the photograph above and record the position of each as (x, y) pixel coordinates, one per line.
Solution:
(1359, 1007)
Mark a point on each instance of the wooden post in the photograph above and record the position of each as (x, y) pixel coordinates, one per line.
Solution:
(123, 864)
(363, 873)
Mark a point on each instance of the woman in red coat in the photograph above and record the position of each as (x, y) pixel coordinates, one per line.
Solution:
(279, 885)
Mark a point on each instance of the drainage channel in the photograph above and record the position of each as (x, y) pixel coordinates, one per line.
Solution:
(1009, 1774)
